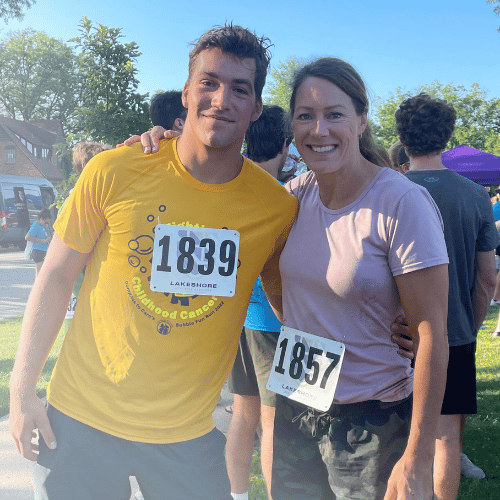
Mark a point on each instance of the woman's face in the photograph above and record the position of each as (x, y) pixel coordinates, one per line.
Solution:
(326, 126)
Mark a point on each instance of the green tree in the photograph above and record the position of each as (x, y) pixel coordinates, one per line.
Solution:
(13, 9)
(496, 9)
(37, 77)
(478, 118)
(279, 88)
(111, 109)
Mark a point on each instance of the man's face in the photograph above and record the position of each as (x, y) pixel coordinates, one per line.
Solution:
(220, 97)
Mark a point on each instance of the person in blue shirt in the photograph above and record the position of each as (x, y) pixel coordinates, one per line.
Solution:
(38, 235)
(496, 296)
(267, 141)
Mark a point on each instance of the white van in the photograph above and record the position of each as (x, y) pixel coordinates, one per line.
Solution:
(21, 199)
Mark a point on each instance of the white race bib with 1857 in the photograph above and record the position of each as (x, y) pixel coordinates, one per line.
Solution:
(197, 260)
(306, 368)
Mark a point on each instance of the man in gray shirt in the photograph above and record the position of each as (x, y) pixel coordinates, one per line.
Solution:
(425, 126)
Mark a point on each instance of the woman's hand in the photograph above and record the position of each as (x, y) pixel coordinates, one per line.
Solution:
(150, 140)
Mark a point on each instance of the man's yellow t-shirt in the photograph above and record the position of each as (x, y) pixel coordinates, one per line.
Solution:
(149, 366)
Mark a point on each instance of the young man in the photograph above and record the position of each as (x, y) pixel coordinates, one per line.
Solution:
(425, 126)
(142, 364)
(267, 141)
(167, 111)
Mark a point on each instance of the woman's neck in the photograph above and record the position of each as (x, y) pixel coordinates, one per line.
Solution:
(339, 189)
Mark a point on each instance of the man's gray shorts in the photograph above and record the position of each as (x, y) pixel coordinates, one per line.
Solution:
(92, 465)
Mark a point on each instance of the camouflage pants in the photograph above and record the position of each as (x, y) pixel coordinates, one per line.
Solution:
(346, 453)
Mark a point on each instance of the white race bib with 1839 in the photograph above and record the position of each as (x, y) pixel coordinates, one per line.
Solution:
(306, 368)
(197, 260)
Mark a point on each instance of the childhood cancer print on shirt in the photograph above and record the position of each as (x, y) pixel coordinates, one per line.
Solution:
(182, 309)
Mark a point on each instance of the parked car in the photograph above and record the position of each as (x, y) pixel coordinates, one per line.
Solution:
(21, 199)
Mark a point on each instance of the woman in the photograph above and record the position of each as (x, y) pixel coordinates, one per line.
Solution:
(367, 246)
(38, 235)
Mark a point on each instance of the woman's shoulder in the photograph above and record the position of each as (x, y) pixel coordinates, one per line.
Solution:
(301, 184)
(397, 184)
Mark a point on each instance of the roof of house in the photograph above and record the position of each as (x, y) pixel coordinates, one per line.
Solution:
(42, 133)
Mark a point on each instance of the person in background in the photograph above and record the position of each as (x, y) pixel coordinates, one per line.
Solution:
(267, 140)
(399, 160)
(425, 125)
(496, 295)
(167, 111)
(84, 151)
(38, 235)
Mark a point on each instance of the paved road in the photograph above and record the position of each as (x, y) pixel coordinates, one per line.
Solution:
(16, 278)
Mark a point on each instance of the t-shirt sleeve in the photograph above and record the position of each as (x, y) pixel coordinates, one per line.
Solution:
(33, 231)
(487, 239)
(296, 185)
(82, 218)
(271, 278)
(415, 234)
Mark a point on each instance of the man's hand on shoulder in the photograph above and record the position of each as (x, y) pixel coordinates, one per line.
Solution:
(150, 140)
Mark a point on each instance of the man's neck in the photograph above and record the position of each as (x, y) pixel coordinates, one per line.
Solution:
(427, 162)
(271, 166)
(206, 164)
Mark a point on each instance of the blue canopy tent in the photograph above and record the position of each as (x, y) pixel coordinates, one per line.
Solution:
(478, 166)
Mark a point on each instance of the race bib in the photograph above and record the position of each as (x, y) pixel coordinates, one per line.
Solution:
(201, 261)
(306, 368)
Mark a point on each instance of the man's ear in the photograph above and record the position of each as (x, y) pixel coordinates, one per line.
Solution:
(178, 124)
(284, 149)
(184, 94)
(257, 110)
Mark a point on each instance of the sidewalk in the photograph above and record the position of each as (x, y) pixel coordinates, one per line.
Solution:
(15, 471)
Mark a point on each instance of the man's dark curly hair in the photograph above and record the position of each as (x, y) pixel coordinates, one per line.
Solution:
(425, 124)
(239, 42)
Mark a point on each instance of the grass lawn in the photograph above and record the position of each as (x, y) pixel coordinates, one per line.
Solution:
(482, 431)
(10, 330)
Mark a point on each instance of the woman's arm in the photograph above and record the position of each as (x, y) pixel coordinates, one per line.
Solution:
(424, 296)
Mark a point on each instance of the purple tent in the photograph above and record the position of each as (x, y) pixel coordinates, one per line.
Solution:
(476, 165)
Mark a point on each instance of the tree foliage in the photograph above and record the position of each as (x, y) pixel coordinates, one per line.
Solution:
(496, 9)
(13, 9)
(37, 77)
(279, 89)
(478, 118)
(111, 109)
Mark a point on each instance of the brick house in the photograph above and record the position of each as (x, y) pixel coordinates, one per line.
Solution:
(28, 148)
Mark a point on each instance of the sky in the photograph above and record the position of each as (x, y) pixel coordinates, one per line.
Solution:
(392, 44)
